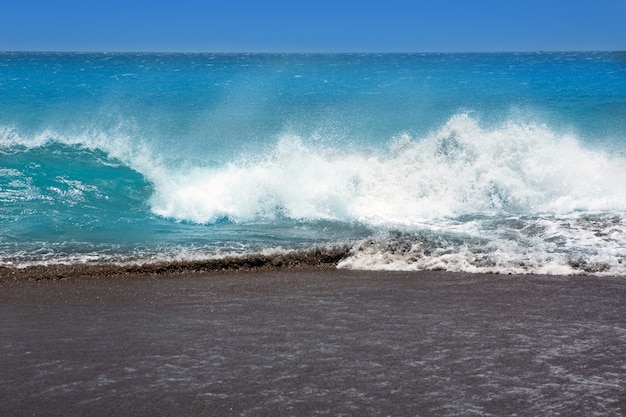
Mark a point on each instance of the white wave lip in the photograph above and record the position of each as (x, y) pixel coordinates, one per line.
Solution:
(460, 169)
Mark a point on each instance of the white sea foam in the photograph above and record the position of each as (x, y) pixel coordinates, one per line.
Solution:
(460, 169)
(559, 245)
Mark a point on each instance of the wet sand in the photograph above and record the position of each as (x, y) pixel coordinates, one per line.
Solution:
(303, 342)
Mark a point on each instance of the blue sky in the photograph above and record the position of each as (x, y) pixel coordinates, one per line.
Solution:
(313, 26)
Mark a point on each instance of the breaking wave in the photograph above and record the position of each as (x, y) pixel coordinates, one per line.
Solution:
(514, 198)
(461, 169)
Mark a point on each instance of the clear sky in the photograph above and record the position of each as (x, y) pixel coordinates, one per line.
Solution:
(312, 26)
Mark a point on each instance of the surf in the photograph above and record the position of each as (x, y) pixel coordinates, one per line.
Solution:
(460, 169)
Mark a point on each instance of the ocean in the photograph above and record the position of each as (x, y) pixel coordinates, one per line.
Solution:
(499, 163)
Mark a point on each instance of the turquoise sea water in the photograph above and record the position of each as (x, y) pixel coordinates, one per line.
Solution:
(462, 162)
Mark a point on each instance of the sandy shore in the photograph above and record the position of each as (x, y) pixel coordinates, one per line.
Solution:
(326, 342)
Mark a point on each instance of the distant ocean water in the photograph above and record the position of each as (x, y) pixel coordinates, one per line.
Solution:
(504, 163)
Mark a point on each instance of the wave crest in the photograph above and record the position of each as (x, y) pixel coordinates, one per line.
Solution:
(458, 170)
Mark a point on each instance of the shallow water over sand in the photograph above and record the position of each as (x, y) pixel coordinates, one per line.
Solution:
(303, 343)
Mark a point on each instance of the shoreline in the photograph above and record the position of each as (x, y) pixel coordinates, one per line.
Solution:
(315, 259)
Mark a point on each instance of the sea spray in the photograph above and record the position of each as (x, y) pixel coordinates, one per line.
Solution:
(459, 170)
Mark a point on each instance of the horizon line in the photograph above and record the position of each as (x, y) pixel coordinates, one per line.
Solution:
(320, 52)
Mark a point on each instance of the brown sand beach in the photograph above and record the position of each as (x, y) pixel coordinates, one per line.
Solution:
(301, 342)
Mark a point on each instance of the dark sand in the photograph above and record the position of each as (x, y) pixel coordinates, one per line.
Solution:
(302, 343)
